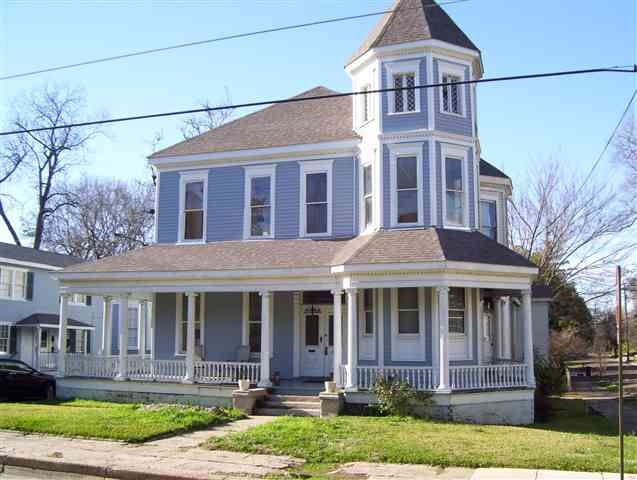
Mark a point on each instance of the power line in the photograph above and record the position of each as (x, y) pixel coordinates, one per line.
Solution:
(219, 39)
(615, 69)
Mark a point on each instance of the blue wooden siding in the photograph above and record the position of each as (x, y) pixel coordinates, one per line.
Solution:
(425, 181)
(344, 191)
(287, 200)
(283, 341)
(168, 207)
(449, 122)
(405, 121)
(225, 203)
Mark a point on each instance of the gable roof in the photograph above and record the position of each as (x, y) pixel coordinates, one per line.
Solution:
(491, 170)
(413, 20)
(278, 125)
(30, 255)
(36, 319)
(383, 247)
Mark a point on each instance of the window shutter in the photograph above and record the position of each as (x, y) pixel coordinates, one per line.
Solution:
(88, 340)
(71, 340)
(29, 285)
(13, 340)
(89, 300)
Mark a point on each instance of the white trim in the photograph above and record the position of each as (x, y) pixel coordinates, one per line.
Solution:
(20, 264)
(179, 307)
(251, 172)
(397, 151)
(156, 206)
(431, 114)
(362, 227)
(399, 352)
(467, 337)
(446, 68)
(402, 68)
(306, 168)
(459, 153)
(380, 304)
(432, 182)
(345, 147)
(421, 135)
(14, 294)
(364, 337)
(245, 312)
(297, 305)
(492, 196)
(184, 179)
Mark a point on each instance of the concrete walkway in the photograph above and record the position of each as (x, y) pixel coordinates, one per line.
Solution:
(174, 458)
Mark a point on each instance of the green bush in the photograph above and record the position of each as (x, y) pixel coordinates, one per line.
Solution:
(397, 397)
(549, 376)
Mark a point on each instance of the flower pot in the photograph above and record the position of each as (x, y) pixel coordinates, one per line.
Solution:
(244, 385)
(330, 387)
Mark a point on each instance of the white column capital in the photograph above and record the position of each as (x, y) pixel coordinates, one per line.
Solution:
(351, 290)
(265, 293)
(191, 294)
(526, 293)
(337, 292)
(107, 298)
(442, 289)
(65, 296)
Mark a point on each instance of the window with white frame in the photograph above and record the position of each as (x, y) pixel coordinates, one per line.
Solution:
(182, 322)
(13, 283)
(368, 216)
(254, 322)
(259, 201)
(193, 206)
(316, 198)
(407, 189)
(133, 327)
(405, 99)
(451, 94)
(366, 104)
(408, 311)
(454, 191)
(368, 312)
(489, 218)
(457, 309)
(81, 338)
(5, 340)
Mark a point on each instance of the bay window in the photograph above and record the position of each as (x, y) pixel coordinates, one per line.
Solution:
(316, 198)
(406, 184)
(259, 201)
(451, 94)
(193, 188)
(454, 194)
(405, 100)
(404, 77)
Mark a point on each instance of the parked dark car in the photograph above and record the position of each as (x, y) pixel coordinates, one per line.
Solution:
(19, 381)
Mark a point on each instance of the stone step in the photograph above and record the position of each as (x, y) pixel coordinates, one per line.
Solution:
(294, 398)
(293, 412)
(287, 404)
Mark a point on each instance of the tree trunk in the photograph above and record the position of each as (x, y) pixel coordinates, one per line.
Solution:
(7, 222)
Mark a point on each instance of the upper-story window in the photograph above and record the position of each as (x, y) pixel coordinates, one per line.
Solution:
(404, 76)
(455, 203)
(406, 181)
(316, 198)
(451, 94)
(367, 196)
(193, 200)
(366, 104)
(489, 218)
(13, 283)
(259, 201)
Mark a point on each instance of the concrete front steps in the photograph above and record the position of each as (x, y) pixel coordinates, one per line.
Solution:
(291, 405)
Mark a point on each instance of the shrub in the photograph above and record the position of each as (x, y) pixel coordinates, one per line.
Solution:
(397, 397)
(549, 375)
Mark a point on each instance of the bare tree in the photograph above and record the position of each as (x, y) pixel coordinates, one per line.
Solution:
(105, 217)
(572, 229)
(198, 124)
(10, 161)
(47, 156)
(626, 157)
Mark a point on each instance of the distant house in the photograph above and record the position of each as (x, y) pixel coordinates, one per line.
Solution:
(347, 238)
(29, 308)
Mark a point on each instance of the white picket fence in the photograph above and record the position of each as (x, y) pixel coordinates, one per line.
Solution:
(140, 367)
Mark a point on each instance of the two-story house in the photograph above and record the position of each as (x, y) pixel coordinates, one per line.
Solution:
(29, 308)
(345, 237)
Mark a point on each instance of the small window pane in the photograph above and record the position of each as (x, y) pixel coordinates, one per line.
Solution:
(454, 207)
(5, 282)
(456, 298)
(311, 330)
(367, 180)
(317, 218)
(260, 221)
(316, 187)
(406, 172)
(411, 93)
(453, 172)
(194, 225)
(407, 206)
(398, 94)
(408, 298)
(194, 195)
(488, 219)
(368, 297)
(368, 211)
(369, 323)
(260, 194)
(408, 322)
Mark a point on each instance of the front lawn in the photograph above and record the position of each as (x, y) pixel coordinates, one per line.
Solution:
(117, 421)
(572, 439)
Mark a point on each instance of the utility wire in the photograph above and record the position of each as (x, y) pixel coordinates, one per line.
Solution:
(219, 39)
(616, 69)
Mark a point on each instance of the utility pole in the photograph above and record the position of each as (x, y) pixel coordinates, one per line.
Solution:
(620, 369)
(626, 322)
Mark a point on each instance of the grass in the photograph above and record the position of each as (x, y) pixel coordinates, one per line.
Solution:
(572, 439)
(117, 421)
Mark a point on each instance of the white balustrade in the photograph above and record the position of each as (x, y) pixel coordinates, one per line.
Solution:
(226, 372)
(47, 361)
(81, 365)
(485, 377)
(420, 378)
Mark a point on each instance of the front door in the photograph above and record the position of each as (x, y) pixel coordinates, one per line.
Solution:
(318, 338)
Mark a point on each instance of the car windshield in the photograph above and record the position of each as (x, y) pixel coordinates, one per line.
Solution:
(16, 367)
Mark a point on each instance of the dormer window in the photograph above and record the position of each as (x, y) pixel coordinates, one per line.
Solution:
(404, 76)
(193, 199)
(451, 94)
(259, 201)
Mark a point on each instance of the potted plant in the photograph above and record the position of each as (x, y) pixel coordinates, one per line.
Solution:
(244, 385)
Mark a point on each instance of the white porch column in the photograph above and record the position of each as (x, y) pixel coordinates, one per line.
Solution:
(64, 314)
(338, 342)
(266, 327)
(141, 315)
(123, 339)
(444, 385)
(107, 329)
(528, 336)
(506, 328)
(190, 338)
(352, 339)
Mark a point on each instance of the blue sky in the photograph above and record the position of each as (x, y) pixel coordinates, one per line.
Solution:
(520, 122)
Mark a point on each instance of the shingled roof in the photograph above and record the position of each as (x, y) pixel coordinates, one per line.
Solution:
(278, 125)
(413, 20)
(383, 247)
(25, 254)
(489, 170)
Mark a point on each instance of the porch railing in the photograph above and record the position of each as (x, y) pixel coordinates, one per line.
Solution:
(477, 377)
(47, 361)
(420, 378)
(474, 377)
(144, 368)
